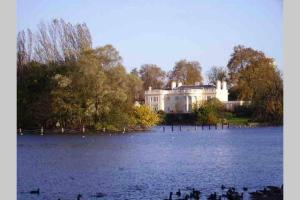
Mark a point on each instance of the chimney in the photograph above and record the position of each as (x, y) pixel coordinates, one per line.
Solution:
(173, 85)
(218, 85)
(150, 88)
(224, 85)
(179, 84)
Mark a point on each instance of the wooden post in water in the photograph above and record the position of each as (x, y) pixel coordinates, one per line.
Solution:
(20, 131)
(83, 129)
(216, 126)
(124, 130)
(195, 127)
(202, 126)
(62, 130)
(42, 130)
(209, 126)
(163, 128)
(180, 127)
(222, 125)
(172, 128)
(228, 125)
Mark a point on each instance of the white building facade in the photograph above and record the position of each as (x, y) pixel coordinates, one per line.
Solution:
(181, 98)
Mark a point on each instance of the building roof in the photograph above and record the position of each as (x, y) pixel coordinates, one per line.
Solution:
(185, 87)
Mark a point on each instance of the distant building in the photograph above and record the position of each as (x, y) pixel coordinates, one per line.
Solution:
(181, 98)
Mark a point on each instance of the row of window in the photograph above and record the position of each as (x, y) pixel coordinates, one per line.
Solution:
(156, 99)
(184, 97)
(153, 99)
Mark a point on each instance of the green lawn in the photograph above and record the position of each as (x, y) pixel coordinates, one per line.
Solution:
(238, 120)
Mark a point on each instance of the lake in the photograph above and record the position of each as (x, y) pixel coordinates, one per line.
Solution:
(148, 165)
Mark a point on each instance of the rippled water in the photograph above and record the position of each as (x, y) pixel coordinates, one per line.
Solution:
(148, 165)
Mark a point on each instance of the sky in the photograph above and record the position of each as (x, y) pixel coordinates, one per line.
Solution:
(163, 32)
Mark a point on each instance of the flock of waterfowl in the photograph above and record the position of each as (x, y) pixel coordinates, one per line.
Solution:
(228, 193)
(79, 196)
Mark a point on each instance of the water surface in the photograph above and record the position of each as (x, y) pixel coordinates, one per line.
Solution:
(148, 165)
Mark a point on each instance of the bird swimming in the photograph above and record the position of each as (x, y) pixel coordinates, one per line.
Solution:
(178, 193)
(35, 191)
(79, 196)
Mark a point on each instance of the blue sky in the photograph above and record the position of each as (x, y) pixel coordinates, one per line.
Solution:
(164, 31)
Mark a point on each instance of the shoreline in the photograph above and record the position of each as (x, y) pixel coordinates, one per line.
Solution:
(163, 127)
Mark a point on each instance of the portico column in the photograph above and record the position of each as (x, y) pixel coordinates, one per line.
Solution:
(187, 103)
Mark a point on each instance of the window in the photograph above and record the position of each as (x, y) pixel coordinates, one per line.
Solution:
(154, 99)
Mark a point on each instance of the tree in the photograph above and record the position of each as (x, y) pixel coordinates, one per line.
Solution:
(65, 104)
(240, 59)
(256, 78)
(209, 112)
(56, 42)
(152, 75)
(217, 73)
(135, 86)
(95, 91)
(33, 96)
(24, 49)
(188, 72)
(268, 100)
(109, 56)
(69, 82)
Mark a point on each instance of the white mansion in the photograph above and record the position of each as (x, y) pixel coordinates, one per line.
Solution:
(180, 98)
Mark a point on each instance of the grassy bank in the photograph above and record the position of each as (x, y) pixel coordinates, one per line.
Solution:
(239, 120)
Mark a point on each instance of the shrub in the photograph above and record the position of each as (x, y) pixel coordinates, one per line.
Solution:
(180, 118)
(145, 117)
(243, 111)
(210, 112)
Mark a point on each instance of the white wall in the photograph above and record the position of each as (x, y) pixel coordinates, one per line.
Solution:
(176, 100)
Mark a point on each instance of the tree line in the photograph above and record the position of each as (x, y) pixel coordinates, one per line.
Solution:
(62, 78)
(250, 76)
